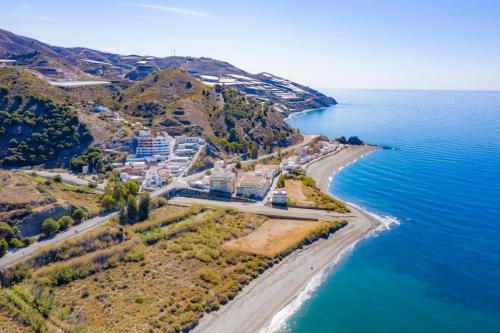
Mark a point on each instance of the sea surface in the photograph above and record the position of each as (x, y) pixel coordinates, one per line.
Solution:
(438, 268)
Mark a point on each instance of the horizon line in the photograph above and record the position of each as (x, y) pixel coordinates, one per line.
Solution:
(416, 89)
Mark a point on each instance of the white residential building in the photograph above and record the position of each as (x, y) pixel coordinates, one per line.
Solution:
(148, 145)
(252, 186)
(279, 197)
(290, 163)
(181, 139)
(153, 180)
(222, 180)
(175, 169)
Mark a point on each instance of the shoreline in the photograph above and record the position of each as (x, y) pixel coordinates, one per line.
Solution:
(267, 301)
(294, 114)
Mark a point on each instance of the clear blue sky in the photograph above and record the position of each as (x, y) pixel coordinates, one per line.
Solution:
(425, 44)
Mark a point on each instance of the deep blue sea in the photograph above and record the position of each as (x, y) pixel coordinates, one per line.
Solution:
(438, 270)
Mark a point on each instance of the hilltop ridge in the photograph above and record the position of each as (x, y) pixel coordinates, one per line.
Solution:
(79, 63)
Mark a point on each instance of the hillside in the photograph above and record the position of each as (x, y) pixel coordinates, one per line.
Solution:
(174, 101)
(34, 129)
(48, 94)
(62, 64)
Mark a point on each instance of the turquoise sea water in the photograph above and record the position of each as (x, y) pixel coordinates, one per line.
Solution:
(438, 270)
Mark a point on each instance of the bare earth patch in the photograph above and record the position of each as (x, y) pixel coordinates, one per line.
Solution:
(16, 189)
(274, 237)
(295, 193)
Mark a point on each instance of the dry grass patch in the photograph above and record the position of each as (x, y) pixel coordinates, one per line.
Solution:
(166, 215)
(143, 286)
(275, 237)
(8, 324)
(164, 286)
(79, 197)
(18, 190)
(181, 276)
(303, 192)
(296, 196)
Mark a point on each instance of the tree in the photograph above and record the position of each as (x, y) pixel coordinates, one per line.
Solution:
(14, 242)
(57, 178)
(79, 215)
(281, 181)
(50, 226)
(122, 215)
(132, 187)
(108, 203)
(238, 165)
(65, 222)
(144, 204)
(3, 247)
(132, 209)
(6, 231)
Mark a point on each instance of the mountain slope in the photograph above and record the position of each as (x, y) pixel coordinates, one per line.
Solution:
(60, 63)
(174, 101)
(33, 128)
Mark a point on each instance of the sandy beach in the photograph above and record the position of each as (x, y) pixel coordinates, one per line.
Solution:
(263, 305)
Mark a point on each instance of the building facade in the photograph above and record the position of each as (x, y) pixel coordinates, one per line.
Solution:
(279, 197)
(222, 181)
(252, 186)
(148, 145)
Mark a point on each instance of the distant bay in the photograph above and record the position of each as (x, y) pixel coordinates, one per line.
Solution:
(439, 269)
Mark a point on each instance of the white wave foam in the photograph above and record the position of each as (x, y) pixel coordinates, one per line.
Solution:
(386, 220)
(280, 319)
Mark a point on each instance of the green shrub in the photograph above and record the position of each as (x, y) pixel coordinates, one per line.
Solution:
(3, 247)
(6, 231)
(281, 181)
(144, 205)
(65, 222)
(85, 294)
(132, 209)
(308, 181)
(17, 243)
(108, 203)
(50, 226)
(209, 275)
(79, 215)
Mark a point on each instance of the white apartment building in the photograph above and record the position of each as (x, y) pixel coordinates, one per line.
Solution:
(148, 145)
(279, 197)
(222, 181)
(181, 139)
(253, 186)
(152, 180)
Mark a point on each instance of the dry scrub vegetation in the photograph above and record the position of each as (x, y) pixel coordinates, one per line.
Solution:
(160, 275)
(303, 192)
(277, 237)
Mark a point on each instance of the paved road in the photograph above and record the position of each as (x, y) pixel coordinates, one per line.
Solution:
(307, 140)
(285, 212)
(25, 253)
(66, 177)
